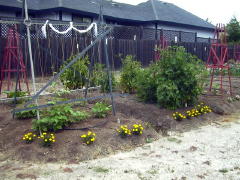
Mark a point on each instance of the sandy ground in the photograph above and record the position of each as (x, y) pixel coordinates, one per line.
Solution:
(210, 152)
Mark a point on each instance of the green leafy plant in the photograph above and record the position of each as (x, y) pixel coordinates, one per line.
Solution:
(146, 85)
(76, 76)
(17, 94)
(89, 138)
(47, 139)
(137, 129)
(128, 77)
(57, 117)
(123, 131)
(27, 114)
(97, 74)
(179, 78)
(104, 82)
(100, 110)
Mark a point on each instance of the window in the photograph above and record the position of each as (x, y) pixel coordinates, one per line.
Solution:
(81, 19)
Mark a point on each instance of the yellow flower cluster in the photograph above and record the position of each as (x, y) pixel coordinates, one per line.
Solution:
(193, 113)
(123, 131)
(178, 116)
(89, 138)
(137, 129)
(47, 139)
(29, 137)
(204, 109)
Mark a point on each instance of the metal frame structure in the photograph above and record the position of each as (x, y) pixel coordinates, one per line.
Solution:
(13, 62)
(104, 31)
(217, 59)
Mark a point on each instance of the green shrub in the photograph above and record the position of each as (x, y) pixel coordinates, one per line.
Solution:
(97, 74)
(175, 80)
(57, 117)
(76, 76)
(104, 82)
(100, 110)
(146, 85)
(129, 73)
(179, 79)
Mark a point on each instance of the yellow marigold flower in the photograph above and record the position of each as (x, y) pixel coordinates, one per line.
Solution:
(94, 134)
(89, 133)
(34, 135)
(92, 139)
(83, 136)
(45, 140)
(23, 138)
(41, 136)
(44, 133)
(53, 140)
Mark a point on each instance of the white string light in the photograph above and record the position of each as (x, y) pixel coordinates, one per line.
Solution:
(44, 27)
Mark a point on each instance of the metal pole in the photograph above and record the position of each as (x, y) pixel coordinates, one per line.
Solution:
(109, 75)
(30, 54)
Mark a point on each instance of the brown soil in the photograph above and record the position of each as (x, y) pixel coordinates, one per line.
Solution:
(69, 147)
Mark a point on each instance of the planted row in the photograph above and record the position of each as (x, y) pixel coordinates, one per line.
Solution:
(47, 139)
(195, 112)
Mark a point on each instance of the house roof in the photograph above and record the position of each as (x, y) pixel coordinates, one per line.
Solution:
(152, 10)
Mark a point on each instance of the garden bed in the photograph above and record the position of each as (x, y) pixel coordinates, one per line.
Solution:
(70, 148)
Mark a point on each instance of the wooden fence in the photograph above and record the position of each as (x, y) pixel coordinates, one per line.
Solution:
(50, 53)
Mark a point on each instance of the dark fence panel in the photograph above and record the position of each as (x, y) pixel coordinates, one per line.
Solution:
(50, 53)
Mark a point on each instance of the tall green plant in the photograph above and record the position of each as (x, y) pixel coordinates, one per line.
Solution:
(76, 76)
(233, 29)
(128, 77)
(175, 80)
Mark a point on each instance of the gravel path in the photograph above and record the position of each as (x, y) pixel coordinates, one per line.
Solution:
(210, 152)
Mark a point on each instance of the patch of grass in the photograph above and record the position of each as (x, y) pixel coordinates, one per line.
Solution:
(101, 170)
(172, 139)
(152, 171)
(149, 140)
(223, 170)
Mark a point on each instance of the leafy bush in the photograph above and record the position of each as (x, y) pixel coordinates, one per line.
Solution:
(100, 110)
(146, 85)
(89, 138)
(58, 117)
(104, 82)
(129, 73)
(178, 81)
(175, 80)
(76, 76)
(97, 74)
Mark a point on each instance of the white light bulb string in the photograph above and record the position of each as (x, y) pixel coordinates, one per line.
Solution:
(71, 27)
